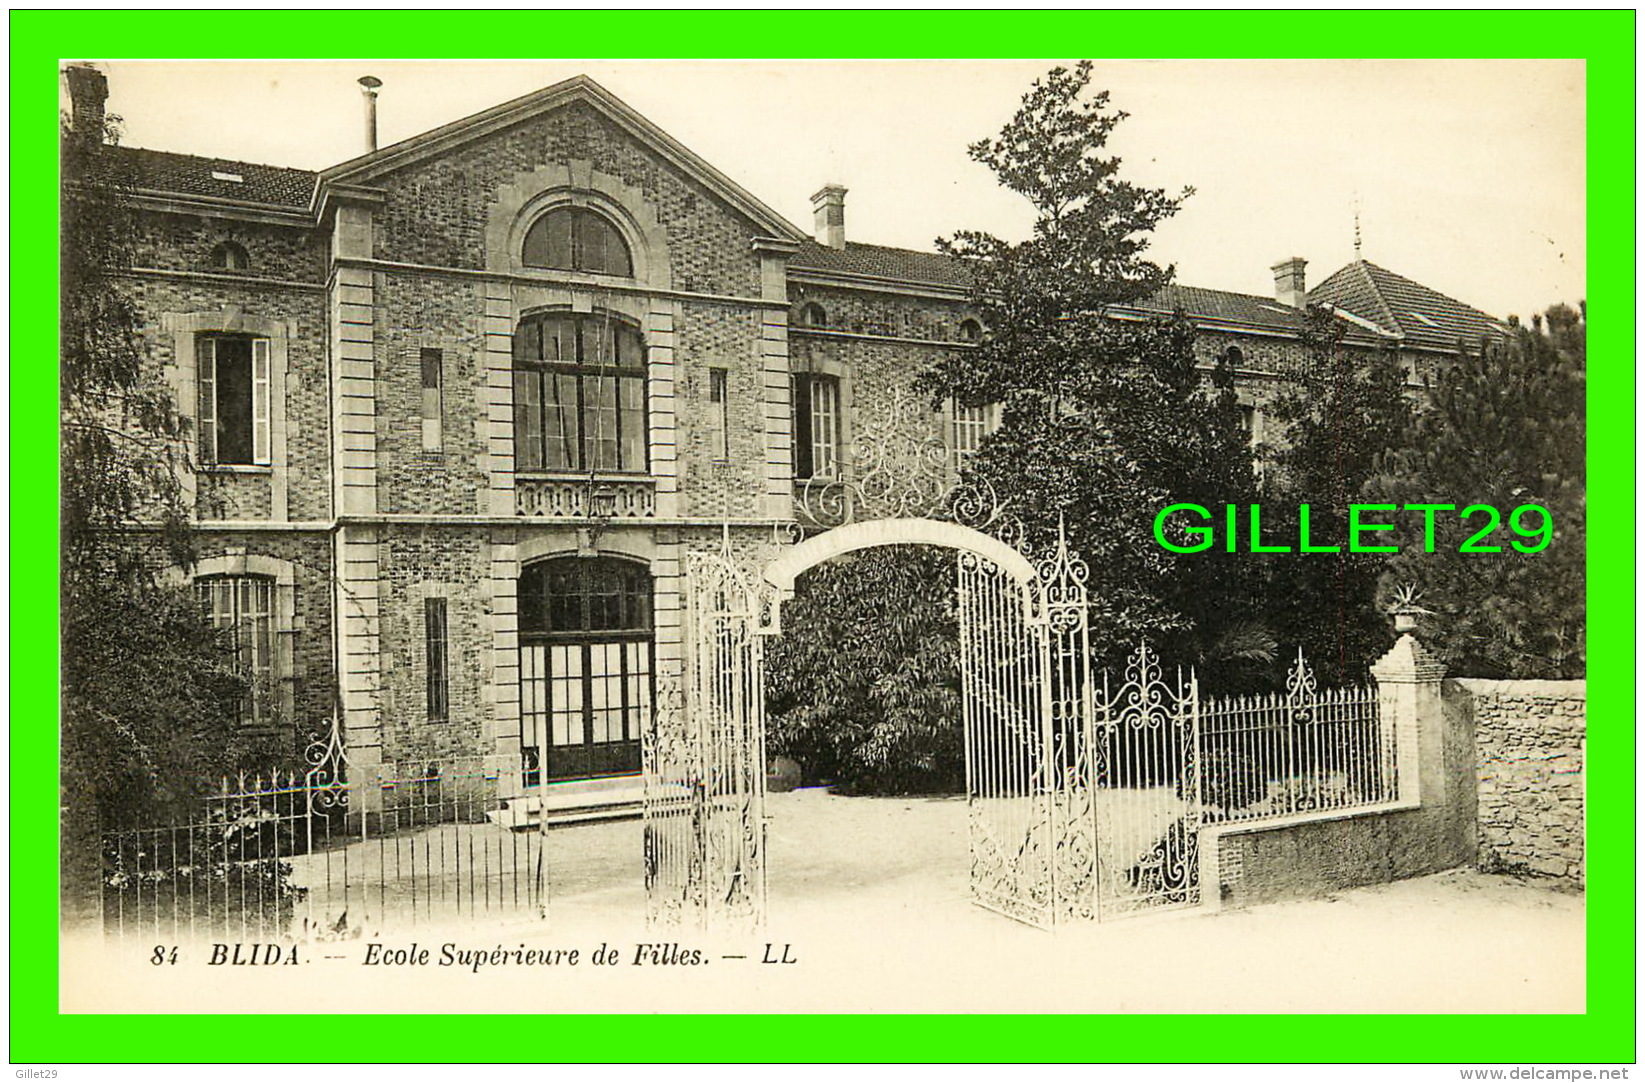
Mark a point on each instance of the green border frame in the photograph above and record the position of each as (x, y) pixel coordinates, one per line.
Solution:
(1606, 1033)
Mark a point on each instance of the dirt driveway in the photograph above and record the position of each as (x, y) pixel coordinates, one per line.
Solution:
(874, 892)
(869, 903)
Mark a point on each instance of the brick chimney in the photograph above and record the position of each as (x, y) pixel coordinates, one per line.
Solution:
(828, 215)
(88, 91)
(1290, 283)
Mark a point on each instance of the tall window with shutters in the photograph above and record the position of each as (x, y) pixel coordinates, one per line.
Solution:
(233, 408)
(579, 394)
(817, 426)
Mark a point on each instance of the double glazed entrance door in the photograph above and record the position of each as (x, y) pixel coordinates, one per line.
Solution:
(597, 698)
(586, 664)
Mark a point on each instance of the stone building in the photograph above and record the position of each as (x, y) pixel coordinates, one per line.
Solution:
(460, 405)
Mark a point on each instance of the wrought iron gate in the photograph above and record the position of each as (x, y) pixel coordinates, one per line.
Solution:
(1083, 796)
(1025, 681)
(705, 758)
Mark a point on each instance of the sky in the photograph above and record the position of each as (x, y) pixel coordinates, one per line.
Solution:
(1468, 175)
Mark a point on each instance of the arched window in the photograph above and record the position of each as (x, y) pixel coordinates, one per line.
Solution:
(230, 256)
(586, 665)
(577, 239)
(243, 606)
(579, 393)
(811, 314)
(970, 331)
(1234, 356)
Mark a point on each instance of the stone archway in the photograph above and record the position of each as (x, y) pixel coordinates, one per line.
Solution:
(781, 572)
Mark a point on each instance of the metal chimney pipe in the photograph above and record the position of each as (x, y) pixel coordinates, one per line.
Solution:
(368, 86)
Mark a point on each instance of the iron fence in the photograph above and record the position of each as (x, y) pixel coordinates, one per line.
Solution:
(1303, 750)
(324, 855)
(1146, 787)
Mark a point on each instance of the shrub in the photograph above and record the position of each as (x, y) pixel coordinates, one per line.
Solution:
(863, 686)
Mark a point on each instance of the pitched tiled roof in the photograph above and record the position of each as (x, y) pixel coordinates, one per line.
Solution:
(1244, 309)
(1423, 316)
(878, 261)
(186, 174)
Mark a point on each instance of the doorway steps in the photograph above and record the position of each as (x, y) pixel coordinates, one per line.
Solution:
(578, 801)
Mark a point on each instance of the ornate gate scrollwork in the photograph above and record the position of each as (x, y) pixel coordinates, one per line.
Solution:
(1146, 792)
(897, 467)
(1024, 653)
(705, 761)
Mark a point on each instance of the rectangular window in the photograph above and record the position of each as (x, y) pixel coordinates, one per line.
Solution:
(434, 639)
(233, 406)
(574, 421)
(1250, 424)
(719, 426)
(817, 426)
(433, 407)
(243, 606)
(825, 426)
(970, 425)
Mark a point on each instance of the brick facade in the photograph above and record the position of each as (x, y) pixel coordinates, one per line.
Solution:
(419, 248)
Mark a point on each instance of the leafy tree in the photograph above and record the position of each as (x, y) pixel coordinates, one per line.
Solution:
(151, 692)
(1506, 427)
(1104, 422)
(863, 684)
(1342, 416)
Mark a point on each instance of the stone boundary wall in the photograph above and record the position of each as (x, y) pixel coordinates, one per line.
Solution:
(1429, 828)
(1529, 738)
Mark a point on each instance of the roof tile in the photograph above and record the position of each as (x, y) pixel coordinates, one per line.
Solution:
(186, 174)
(878, 261)
(1223, 307)
(1425, 317)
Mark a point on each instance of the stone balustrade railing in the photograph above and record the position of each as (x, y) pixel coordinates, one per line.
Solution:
(585, 498)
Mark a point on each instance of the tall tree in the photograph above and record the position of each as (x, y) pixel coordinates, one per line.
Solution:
(1344, 413)
(119, 426)
(151, 692)
(1104, 421)
(1506, 428)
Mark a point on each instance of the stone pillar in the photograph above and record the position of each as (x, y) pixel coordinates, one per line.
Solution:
(496, 400)
(661, 376)
(503, 688)
(1408, 689)
(353, 316)
(776, 409)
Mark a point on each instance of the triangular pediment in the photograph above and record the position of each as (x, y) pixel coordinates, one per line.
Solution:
(364, 170)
